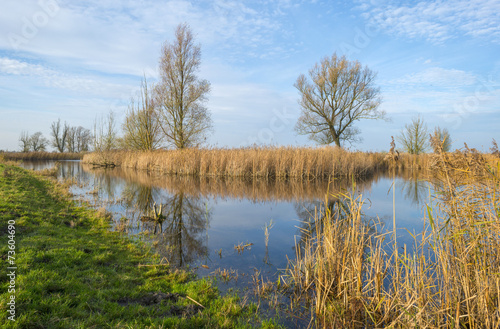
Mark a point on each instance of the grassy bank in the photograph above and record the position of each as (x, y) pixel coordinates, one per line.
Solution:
(356, 276)
(72, 272)
(275, 162)
(41, 156)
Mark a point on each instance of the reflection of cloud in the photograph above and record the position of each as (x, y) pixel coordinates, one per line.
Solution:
(437, 21)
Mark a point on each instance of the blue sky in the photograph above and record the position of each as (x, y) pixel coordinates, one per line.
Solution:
(76, 60)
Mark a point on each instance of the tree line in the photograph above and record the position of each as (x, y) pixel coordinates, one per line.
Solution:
(63, 138)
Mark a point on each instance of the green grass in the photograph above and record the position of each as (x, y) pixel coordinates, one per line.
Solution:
(72, 272)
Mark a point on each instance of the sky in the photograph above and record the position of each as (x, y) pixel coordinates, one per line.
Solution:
(78, 60)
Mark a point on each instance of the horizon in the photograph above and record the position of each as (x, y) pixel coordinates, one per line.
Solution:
(77, 60)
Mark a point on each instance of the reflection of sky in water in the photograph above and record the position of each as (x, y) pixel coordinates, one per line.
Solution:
(232, 220)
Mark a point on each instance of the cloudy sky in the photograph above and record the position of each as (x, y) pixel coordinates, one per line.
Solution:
(76, 60)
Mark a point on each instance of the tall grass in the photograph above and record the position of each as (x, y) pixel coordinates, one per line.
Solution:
(354, 276)
(267, 162)
(42, 156)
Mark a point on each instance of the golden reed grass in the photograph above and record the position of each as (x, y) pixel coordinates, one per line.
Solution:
(42, 156)
(267, 162)
(449, 278)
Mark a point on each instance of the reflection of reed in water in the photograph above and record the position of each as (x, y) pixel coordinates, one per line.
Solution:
(241, 188)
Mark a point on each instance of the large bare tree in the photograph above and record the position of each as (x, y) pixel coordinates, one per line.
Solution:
(181, 95)
(142, 130)
(337, 93)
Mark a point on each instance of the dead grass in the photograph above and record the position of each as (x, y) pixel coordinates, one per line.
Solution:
(355, 276)
(263, 162)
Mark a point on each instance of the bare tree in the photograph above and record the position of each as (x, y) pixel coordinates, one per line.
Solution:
(71, 140)
(442, 136)
(59, 135)
(414, 136)
(338, 93)
(78, 139)
(83, 139)
(180, 94)
(38, 142)
(105, 137)
(24, 141)
(142, 130)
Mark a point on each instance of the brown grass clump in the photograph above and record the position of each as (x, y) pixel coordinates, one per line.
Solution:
(449, 278)
(266, 162)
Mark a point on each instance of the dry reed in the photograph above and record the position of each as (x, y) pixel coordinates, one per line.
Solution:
(263, 162)
(450, 277)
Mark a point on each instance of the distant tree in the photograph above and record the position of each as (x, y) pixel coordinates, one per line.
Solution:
(414, 137)
(442, 140)
(59, 134)
(185, 121)
(142, 129)
(337, 94)
(83, 139)
(105, 136)
(38, 142)
(78, 139)
(24, 141)
(71, 140)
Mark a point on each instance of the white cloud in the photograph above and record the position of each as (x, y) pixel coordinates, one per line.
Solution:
(438, 77)
(437, 21)
(88, 86)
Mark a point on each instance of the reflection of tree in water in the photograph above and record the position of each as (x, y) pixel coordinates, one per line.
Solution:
(140, 197)
(186, 220)
(179, 234)
(414, 189)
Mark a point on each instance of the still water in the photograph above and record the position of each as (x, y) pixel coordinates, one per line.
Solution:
(206, 219)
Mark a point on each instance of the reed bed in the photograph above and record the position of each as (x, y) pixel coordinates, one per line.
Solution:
(355, 275)
(266, 162)
(19, 156)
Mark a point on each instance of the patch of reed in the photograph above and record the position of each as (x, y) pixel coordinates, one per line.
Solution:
(263, 162)
(450, 277)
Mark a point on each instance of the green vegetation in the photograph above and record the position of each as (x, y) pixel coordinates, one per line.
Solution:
(72, 272)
